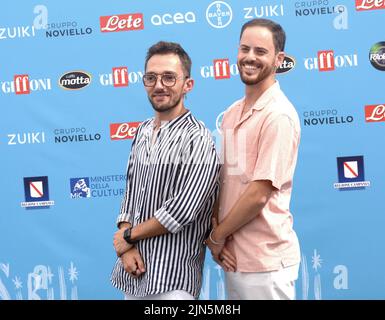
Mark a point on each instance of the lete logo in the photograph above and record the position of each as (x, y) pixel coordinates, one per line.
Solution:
(122, 22)
(363, 5)
(122, 131)
(375, 113)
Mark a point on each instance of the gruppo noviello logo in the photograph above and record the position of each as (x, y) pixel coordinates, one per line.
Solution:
(36, 193)
(351, 173)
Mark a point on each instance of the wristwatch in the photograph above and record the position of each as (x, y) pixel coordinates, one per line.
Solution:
(127, 236)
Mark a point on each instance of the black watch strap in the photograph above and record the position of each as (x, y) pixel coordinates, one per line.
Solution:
(127, 236)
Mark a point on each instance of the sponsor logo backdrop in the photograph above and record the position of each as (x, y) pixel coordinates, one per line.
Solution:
(71, 98)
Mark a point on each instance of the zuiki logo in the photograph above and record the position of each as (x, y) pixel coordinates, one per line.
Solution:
(375, 113)
(74, 80)
(66, 29)
(377, 56)
(36, 193)
(26, 138)
(17, 32)
(122, 22)
(22, 84)
(80, 188)
(351, 173)
(75, 135)
(219, 14)
(287, 65)
(364, 5)
(122, 131)
(263, 11)
(327, 61)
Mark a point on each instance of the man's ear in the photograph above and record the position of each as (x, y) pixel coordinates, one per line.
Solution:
(188, 86)
(279, 59)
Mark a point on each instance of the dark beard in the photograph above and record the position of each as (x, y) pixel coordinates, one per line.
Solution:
(165, 108)
(262, 76)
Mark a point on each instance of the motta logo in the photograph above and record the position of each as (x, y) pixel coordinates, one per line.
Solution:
(364, 5)
(122, 22)
(375, 113)
(287, 65)
(122, 131)
(74, 80)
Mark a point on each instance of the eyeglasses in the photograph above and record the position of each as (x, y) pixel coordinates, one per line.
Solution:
(167, 79)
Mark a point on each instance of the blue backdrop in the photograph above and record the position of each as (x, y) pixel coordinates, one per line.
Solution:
(71, 97)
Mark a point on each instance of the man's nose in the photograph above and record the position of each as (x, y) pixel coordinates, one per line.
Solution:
(158, 83)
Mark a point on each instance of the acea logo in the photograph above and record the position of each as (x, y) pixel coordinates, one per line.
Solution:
(36, 193)
(74, 80)
(351, 174)
(171, 18)
(80, 188)
(377, 56)
(219, 14)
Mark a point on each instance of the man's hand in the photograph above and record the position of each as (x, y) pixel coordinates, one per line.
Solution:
(133, 262)
(220, 253)
(120, 245)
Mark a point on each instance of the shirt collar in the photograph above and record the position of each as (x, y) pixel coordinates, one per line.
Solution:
(166, 124)
(262, 101)
(266, 96)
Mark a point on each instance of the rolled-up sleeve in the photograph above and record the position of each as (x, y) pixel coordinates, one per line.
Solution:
(196, 182)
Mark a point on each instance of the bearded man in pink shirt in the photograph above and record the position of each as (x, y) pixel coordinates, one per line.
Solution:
(252, 236)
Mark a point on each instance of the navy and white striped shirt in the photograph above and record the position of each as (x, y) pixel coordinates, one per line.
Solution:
(174, 180)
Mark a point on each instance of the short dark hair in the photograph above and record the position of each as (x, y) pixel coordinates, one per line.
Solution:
(279, 36)
(163, 47)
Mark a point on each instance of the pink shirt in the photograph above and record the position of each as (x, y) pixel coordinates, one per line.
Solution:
(263, 145)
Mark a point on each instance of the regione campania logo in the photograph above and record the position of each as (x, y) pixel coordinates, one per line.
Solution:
(351, 173)
(36, 193)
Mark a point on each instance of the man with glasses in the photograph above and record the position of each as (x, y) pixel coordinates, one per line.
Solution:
(172, 184)
(261, 134)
